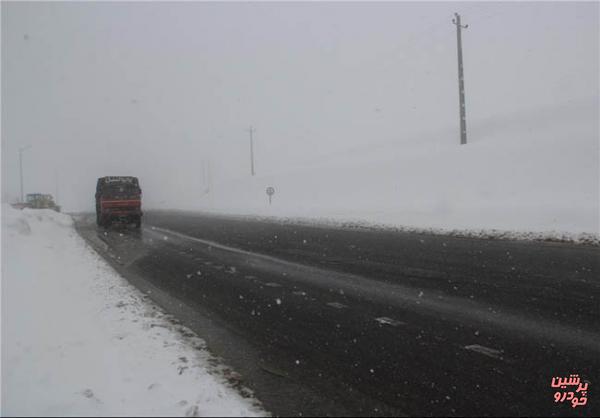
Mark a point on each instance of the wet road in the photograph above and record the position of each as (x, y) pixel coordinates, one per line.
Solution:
(358, 322)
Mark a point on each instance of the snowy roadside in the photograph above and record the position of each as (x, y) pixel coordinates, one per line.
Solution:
(77, 339)
(354, 223)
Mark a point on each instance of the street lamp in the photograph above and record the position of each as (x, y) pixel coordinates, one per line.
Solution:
(21, 150)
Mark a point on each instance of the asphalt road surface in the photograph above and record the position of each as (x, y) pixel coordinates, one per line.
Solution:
(336, 321)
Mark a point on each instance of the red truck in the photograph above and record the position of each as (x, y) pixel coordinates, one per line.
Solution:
(118, 198)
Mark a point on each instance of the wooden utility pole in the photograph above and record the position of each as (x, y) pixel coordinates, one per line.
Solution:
(461, 80)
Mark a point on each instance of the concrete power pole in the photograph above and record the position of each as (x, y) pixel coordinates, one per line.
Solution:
(461, 80)
(251, 130)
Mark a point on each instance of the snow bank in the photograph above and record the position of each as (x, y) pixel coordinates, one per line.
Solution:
(519, 176)
(77, 339)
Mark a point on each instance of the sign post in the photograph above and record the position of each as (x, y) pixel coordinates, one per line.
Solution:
(270, 193)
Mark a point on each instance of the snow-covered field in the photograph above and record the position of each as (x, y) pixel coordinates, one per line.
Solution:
(77, 339)
(531, 174)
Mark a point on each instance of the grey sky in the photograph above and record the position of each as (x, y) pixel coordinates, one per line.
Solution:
(151, 89)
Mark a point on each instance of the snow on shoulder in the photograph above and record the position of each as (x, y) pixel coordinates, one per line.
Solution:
(77, 339)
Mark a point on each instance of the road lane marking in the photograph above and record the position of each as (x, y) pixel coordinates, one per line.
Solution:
(337, 305)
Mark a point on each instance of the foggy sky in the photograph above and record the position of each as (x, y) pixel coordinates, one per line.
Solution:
(154, 89)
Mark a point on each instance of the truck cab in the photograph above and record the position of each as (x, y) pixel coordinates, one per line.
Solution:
(118, 198)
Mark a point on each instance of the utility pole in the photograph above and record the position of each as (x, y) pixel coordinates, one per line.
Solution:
(461, 80)
(21, 150)
(251, 130)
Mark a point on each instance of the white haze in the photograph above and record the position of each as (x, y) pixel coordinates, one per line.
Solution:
(155, 89)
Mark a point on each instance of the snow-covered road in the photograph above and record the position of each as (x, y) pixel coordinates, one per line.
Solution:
(77, 339)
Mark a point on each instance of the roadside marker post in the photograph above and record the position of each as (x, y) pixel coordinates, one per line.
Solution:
(270, 193)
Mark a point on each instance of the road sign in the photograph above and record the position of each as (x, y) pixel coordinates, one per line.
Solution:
(270, 193)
